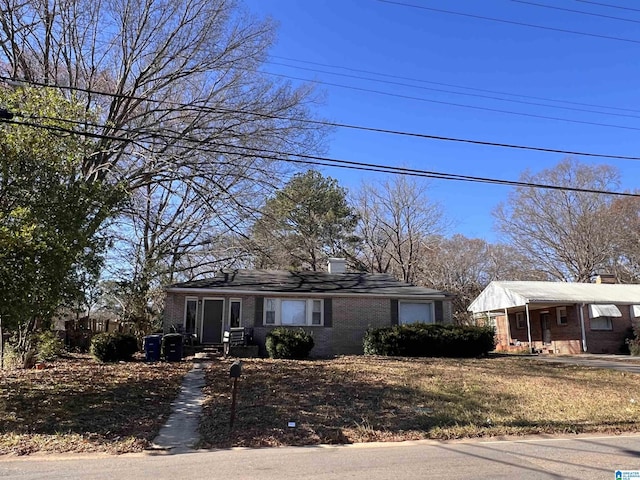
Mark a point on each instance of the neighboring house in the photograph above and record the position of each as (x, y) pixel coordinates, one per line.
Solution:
(336, 307)
(559, 317)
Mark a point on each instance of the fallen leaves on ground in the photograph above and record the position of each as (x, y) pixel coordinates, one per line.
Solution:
(80, 405)
(364, 399)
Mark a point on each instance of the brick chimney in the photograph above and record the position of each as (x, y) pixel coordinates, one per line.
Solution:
(337, 265)
(605, 278)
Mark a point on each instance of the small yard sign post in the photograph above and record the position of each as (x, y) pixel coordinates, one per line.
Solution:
(234, 372)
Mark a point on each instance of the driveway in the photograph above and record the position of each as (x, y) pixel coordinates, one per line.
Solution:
(623, 363)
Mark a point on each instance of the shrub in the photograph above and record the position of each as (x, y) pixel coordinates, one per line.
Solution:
(49, 346)
(429, 340)
(113, 347)
(292, 343)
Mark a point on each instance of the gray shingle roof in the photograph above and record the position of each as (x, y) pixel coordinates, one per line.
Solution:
(276, 281)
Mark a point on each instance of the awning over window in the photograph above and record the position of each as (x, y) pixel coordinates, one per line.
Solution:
(635, 310)
(604, 311)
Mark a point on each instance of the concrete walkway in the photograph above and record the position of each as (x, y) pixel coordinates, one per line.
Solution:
(623, 363)
(180, 433)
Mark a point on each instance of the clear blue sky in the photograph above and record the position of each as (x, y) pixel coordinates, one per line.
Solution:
(474, 53)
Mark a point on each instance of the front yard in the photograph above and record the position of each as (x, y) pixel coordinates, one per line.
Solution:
(80, 405)
(364, 399)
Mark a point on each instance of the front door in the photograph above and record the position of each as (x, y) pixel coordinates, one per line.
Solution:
(212, 321)
(545, 327)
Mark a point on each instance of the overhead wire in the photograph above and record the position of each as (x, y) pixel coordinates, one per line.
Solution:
(571, 10)
(463, 87)
(439, 90)
(454, 104)
(344, 125)
(511, 22)
(354, 165)
(609, 5)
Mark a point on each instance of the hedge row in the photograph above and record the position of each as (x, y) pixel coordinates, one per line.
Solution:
(422, 340)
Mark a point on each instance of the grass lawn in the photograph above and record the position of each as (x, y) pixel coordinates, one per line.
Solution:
(364, 399)
(80, 405)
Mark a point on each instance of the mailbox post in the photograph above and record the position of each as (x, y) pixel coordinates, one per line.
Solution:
(234, 372)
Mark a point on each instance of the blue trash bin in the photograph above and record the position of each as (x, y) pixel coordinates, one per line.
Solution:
(152, 344)
(172, 347)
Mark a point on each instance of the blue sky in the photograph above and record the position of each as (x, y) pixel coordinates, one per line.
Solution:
(467, 53)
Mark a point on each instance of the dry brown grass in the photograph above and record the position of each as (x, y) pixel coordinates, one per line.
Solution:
(363, 399)
(80, 405)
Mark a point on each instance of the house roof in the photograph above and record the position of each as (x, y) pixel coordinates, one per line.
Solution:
(501, 295)
(322, 283)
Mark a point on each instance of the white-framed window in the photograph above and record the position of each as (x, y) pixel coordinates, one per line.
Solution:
(293, 311)
(561, 316)
(520, 320)
(419, 312)
(235, 312)
(601, 323)
(190, 314)
(270, 311)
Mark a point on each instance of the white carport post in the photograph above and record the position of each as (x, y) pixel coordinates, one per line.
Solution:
(506, 317)
(526, 308)
(582, 330)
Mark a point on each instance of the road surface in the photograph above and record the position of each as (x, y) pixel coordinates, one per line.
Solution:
(579, 458)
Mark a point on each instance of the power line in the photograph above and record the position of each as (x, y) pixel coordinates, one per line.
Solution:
(581, 12)
(454, 104)
(475, 95)
(510, 22)
(609, 5)
(464, 87)
(354, 165)
(347, 126)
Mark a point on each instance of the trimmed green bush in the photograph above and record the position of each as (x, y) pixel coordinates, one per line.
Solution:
(292, 343)
(113, 347)
(429, 340)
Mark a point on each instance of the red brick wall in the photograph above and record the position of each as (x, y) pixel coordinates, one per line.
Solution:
(565, 339)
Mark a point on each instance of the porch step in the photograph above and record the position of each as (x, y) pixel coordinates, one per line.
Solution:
(209, 351)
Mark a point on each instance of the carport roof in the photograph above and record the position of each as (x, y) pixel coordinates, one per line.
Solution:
(501, 295)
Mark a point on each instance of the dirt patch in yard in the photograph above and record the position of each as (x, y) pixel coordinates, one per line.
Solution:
(364, 399)
(80, 405)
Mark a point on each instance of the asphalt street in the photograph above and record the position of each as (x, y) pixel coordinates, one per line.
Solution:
(578, 457)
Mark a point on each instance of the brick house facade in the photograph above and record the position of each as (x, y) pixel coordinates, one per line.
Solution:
(336, 308)
(560, 318)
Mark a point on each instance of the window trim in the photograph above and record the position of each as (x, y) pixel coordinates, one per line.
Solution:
(184, 317)
(278, 311)
(432, 310)
(559, 316)
(520, 320)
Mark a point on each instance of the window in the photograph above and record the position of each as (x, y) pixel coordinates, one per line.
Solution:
(409, 313)
(269, 311)
(601, 323)
(316, 313)
(293, 312)
(561, 315)
(520, 320)
(235, 311)
(190, 312)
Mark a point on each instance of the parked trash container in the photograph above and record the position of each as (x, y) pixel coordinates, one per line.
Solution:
(152, 344)
(172, 347)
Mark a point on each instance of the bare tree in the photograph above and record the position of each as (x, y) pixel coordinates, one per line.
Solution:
(397, 227)
(464, 266)
(567, 234)
(189, 126)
